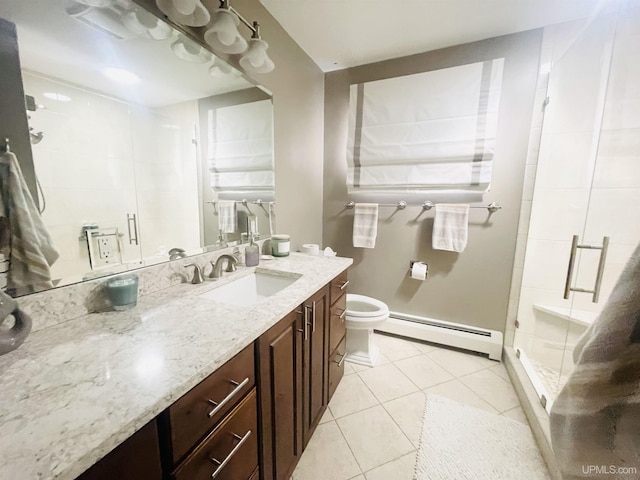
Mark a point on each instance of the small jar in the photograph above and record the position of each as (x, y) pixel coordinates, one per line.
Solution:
(280, 245)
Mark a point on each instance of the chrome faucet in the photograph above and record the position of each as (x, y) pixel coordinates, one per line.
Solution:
(197, 273)
(232, 263)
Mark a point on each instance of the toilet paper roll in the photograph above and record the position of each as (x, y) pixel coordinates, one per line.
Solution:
(419, 271)
(310, 248)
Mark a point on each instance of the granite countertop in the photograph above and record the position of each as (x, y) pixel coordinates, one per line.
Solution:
(73, 392)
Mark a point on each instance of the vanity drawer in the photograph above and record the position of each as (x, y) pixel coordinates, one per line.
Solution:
(337, 328)
(198, 411)
(338, 287)
(233, 445)
(336, 366)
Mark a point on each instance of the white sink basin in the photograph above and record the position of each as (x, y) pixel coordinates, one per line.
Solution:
(249, 289)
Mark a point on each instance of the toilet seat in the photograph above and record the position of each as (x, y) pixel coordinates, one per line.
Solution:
(362, 308)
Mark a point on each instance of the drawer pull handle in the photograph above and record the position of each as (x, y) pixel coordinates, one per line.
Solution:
(223, 464)
(218, 406)
(341, 316)
(342, 360)
(344, 285)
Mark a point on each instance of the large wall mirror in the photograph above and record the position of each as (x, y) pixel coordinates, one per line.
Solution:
(142, 141)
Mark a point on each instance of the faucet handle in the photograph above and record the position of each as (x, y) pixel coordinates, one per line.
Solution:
(197, 273)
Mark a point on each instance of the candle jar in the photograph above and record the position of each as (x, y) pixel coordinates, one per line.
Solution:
(280, 245)
(122, 291)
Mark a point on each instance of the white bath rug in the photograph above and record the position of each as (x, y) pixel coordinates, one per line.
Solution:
(464, 443)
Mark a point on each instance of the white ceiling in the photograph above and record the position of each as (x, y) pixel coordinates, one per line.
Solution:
(338, 34)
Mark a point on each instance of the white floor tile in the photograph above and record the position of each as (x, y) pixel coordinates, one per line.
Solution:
(348, 368)
(408, 413)
(517, 414)
(395, 348)
(423, 371)
(326, 416)
(399, 469)
(493, 389)
(352, 395)
(501, 371)
(459, 363)
(374, 437)
(458, 392)
(387, 382)
(327, 457)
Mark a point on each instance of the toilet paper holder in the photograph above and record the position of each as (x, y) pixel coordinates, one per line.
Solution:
(411, 262)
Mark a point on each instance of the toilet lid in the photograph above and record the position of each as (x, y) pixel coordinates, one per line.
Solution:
(362, 306)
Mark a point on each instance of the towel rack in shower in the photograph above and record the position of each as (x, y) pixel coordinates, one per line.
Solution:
(401, 205)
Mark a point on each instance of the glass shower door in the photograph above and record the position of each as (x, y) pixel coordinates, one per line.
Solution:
(579, 54)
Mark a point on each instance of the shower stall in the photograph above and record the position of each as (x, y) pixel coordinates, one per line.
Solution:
(584, 212)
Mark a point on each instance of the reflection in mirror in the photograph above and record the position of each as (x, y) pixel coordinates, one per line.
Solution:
(140, 138)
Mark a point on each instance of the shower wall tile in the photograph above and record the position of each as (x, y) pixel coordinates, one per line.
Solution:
(558, 213)
(614, 212)
(618, 164)
(566, 160)
(546, 263)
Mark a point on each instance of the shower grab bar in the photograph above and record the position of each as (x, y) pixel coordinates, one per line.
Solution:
(572, 260)
(401, 205)
(132, 238)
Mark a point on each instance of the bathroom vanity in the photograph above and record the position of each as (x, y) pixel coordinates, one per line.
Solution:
(181, 386)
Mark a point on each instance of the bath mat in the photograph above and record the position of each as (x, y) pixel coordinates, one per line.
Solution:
(464, 443)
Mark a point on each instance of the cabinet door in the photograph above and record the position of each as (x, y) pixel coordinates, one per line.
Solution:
(135, 459)
(280, 376)
(315, 379)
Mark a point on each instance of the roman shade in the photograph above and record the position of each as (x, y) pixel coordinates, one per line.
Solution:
(432, 131)
(240, 151)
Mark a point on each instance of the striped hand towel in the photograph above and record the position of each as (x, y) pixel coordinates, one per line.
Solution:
(365, 225)
(450, 227)
(32, 249)
(595, 421)
(227, 218)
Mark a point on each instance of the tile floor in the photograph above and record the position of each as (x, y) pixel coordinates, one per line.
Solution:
(372, 427)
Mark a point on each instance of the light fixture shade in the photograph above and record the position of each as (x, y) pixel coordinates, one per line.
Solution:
(223, 34)
(198, 18)
(189, 51)
(256, 60)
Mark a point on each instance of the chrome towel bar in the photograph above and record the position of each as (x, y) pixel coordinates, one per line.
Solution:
(401, 205)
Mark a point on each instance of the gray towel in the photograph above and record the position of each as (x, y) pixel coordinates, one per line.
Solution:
(32, 250)
(595, 421)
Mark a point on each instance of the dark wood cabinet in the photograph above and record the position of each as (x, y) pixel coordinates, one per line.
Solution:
(296, 379)
(314, 371)
(280, 352)
(337, 332)
(195, 414)
(136, 458)
(230, 452)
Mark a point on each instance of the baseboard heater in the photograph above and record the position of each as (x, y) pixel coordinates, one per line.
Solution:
(445, 333)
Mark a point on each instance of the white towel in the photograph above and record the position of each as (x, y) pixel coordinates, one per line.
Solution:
(227, 218)
(365, 225)
(32, 250)
(450, 227)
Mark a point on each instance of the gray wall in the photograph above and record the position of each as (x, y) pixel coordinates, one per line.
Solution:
(471, 287)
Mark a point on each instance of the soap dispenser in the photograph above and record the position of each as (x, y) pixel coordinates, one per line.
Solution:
(251, 253)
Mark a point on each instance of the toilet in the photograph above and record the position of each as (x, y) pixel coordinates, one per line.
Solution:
(362, 316)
